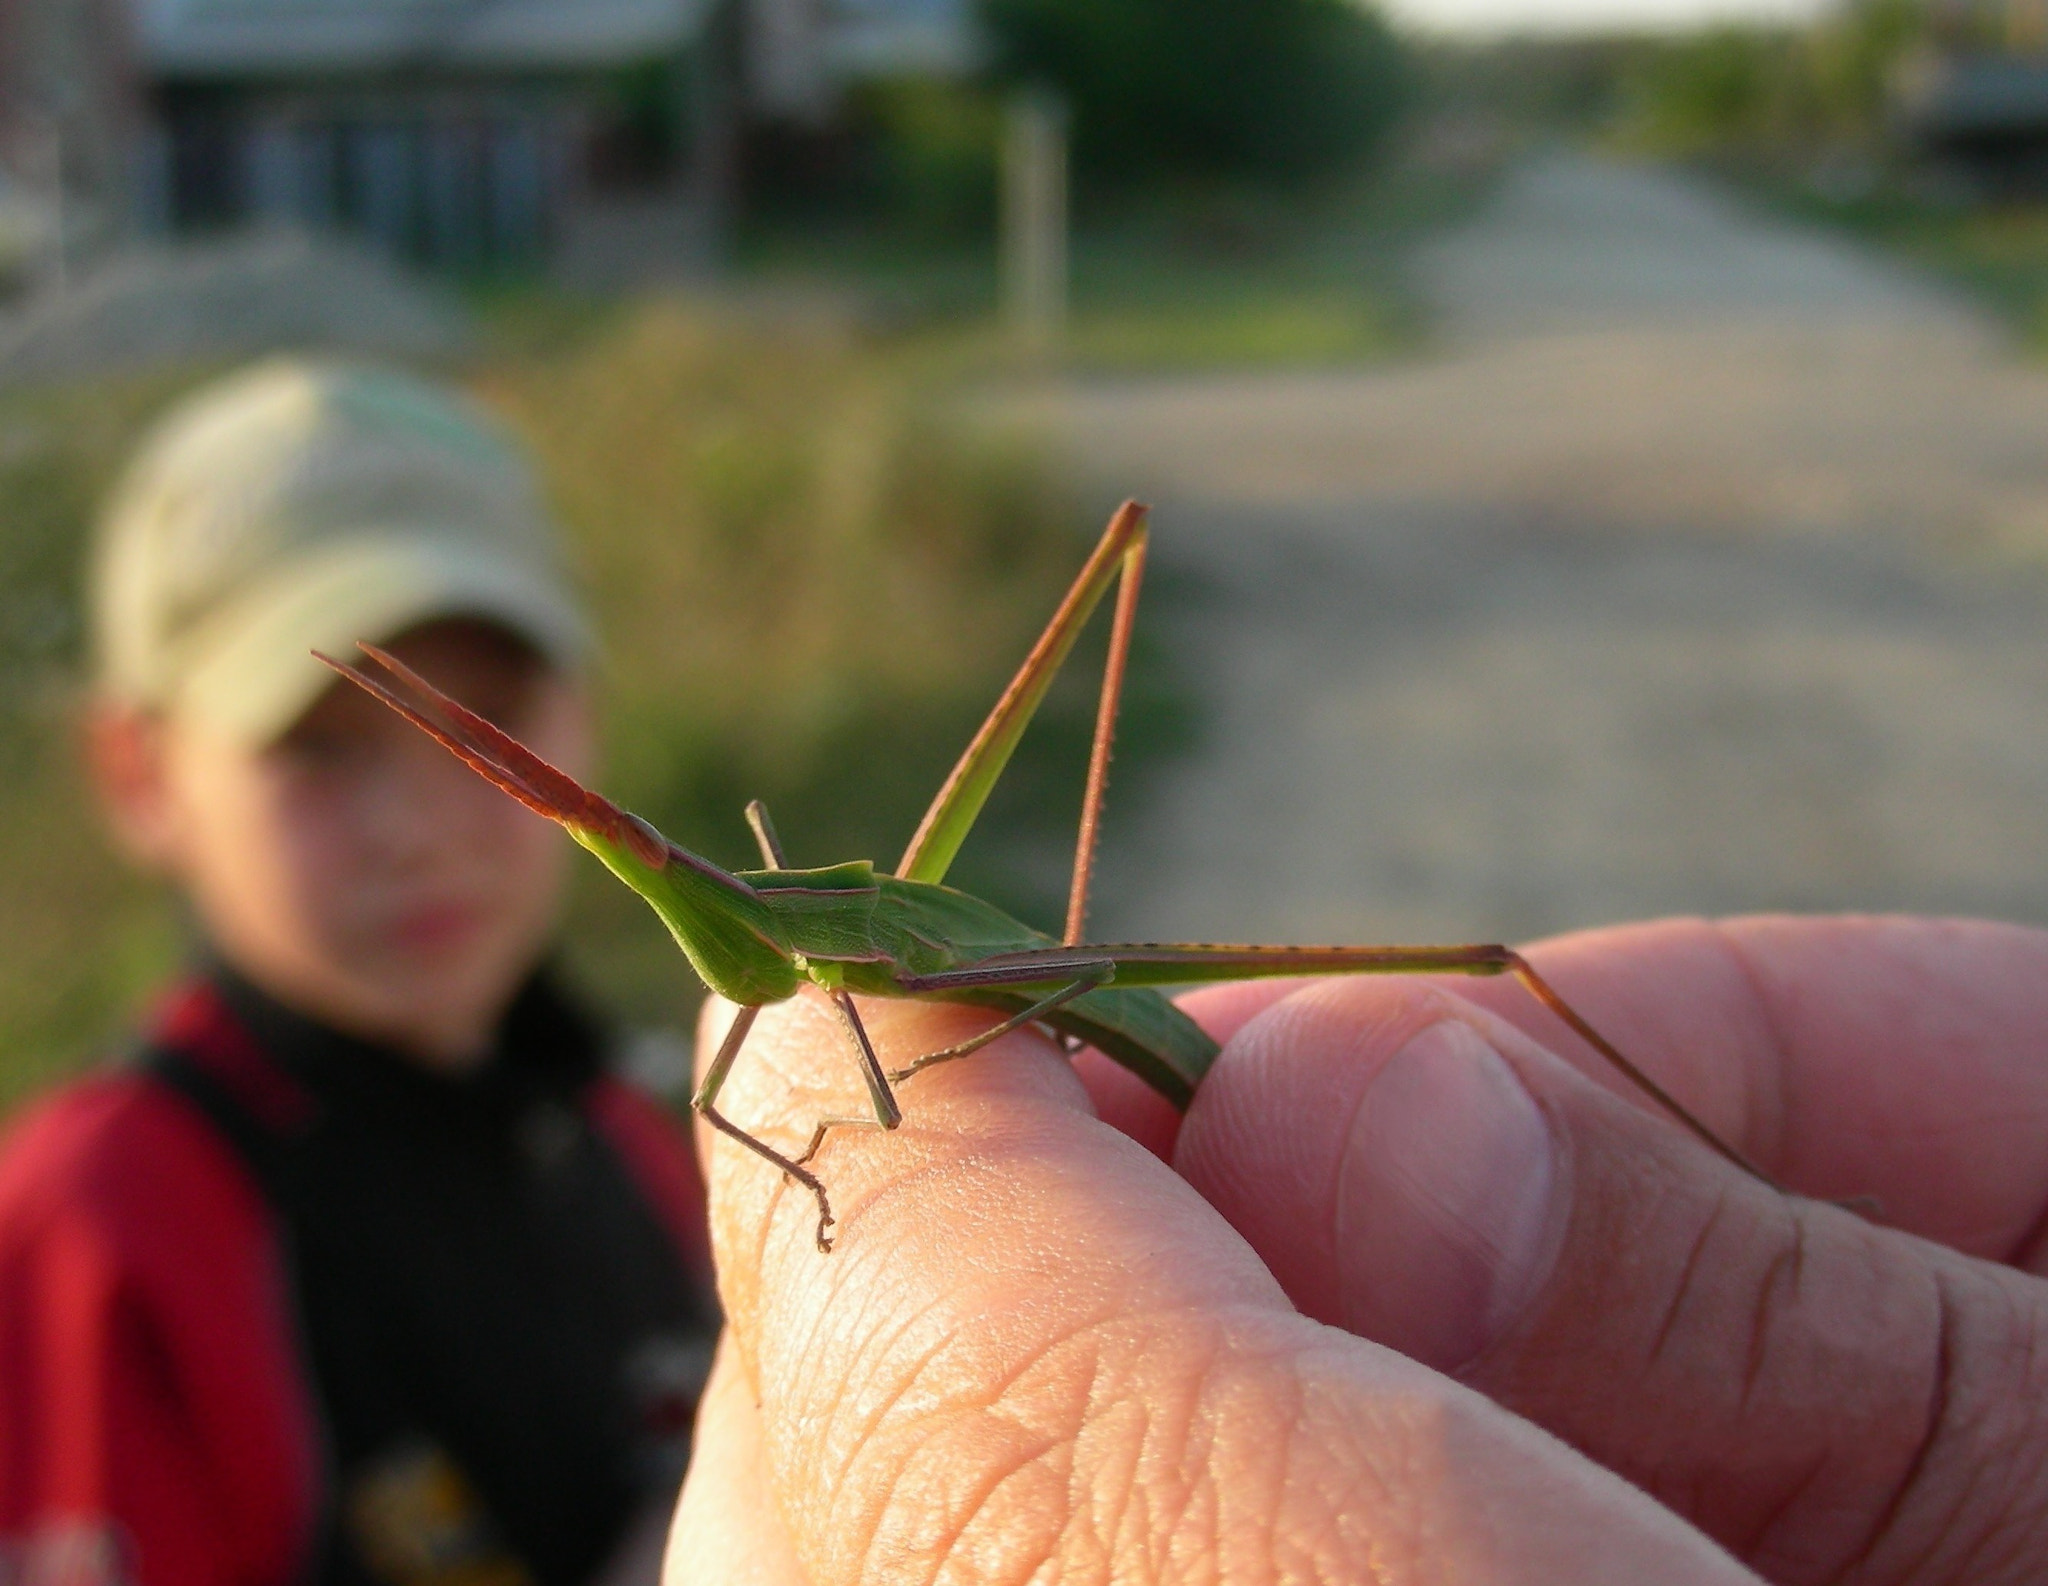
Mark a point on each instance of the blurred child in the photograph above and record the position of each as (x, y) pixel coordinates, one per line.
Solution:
(366, 1268)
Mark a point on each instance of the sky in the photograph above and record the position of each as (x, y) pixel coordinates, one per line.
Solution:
(1483, 17)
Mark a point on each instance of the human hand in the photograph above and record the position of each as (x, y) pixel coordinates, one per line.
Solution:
(1038, 1351)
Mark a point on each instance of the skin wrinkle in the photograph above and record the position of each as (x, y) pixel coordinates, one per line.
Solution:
(1106, 1496)
(2032, 1543)
(1272, 1509)
(1985, 1534)
(1129, 1507)
(1939, 1390)
(1264, 1504)
(1633, 1219)
(1080, 1415)
(865, 1442)
(1210, 1414)
(1787, 1265)
(1428, 1463)
(1170, 1535)
(1403, 1433)
(1297, 1445)
(1975, 1538)
(813, 1337)
(1754, 1548)
(1199, 1531)
(1133, 1448)
(1766, 1146)
(902, 1522)
(874, 1516)
(1687, 1274)
(1027, 1365)
(1122, 1497)
(979, 1502)
(2030, 1251)
(2030, 1367)
(909, 1378)
(1000, 1386)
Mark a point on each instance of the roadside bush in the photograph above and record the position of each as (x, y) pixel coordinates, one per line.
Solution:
(1249, 88)
(1772, 94)
(1730, 86)
(916, 155)
(937, 143)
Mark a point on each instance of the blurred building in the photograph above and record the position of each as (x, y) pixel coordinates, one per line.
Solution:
(68, 118)
(1975, 97)
(464, 133)
(597, 136)
(800, 55)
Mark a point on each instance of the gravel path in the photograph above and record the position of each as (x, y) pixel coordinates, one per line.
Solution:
(1703, 568)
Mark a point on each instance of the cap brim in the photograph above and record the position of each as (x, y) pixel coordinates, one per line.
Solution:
(251, 672)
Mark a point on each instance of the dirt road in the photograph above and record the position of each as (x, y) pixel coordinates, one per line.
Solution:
(1703, 567)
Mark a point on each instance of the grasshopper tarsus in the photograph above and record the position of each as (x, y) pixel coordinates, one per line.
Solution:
(827, 1125)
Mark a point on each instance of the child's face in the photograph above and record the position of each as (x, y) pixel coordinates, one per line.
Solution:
(355, 869)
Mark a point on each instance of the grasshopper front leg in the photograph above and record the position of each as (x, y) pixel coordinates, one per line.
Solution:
(705, 1103)
(887, 1113)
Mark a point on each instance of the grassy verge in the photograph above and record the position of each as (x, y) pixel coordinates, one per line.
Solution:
(811, 585)
(1996, 253)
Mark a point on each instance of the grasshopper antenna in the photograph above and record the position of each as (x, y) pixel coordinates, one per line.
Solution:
(1546, 994)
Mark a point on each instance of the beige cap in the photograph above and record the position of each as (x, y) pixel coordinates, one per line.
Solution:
(305, 505)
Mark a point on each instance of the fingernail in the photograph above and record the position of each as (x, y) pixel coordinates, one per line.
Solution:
(1444, 1212)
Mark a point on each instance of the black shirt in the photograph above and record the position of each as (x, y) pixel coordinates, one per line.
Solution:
(500, 1333)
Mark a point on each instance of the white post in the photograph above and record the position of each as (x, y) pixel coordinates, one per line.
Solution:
(1034, 242)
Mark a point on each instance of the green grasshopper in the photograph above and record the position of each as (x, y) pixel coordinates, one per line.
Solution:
(760, 936)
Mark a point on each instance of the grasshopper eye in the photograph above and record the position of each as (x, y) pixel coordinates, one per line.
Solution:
(647, 845)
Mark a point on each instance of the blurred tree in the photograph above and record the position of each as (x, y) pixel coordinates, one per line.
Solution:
(1776, 93)
(1257, 88)
(1855, 56)
(1731, 85)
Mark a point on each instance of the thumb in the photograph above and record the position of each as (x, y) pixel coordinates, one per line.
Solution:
(1824, 1397)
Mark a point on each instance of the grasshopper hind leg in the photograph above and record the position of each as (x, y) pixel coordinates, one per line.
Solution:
(1031, 1015)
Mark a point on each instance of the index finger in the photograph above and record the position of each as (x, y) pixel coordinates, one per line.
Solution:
(1905, 1060)
(1036, 1350)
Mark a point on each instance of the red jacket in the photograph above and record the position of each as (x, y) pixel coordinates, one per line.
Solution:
(159, 1418)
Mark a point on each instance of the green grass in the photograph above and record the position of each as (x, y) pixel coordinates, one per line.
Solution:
(811, 583)
(1189, 279)
(81, 939)
(1291, 332)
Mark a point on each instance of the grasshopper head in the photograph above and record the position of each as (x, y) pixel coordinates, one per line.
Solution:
(727, 932)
